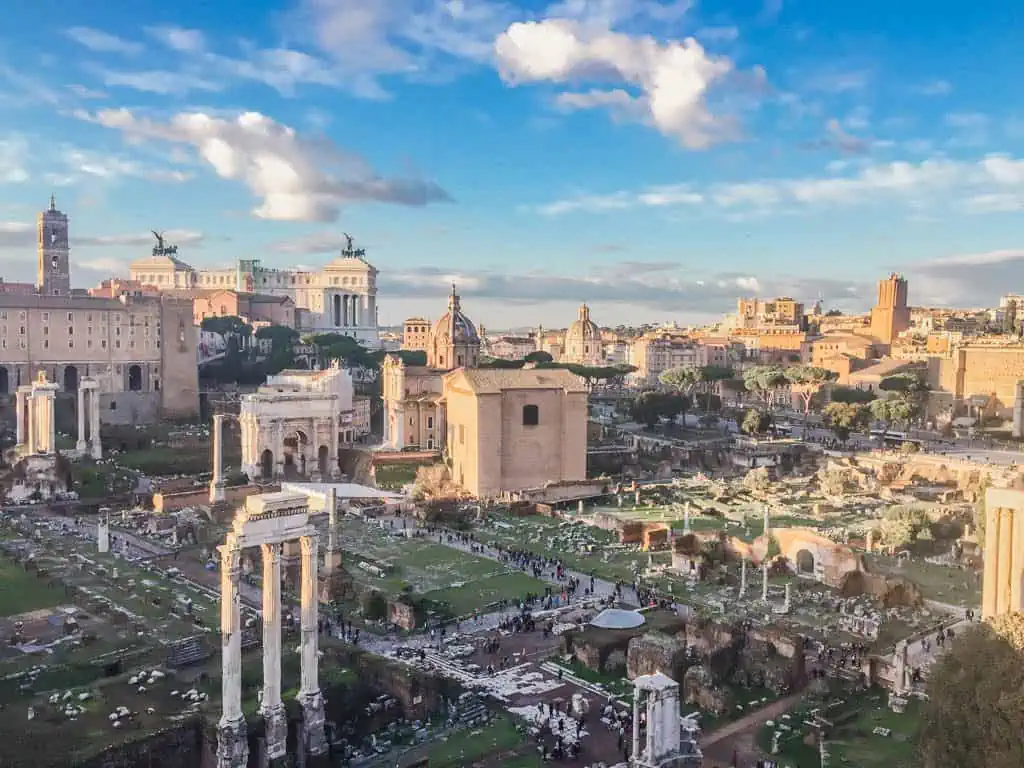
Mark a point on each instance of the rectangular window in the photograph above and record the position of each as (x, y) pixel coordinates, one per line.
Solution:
(71, 317)
(430, 422)
(531, 415)
(46, 344)
(117, 344)
(46, 317)
(71, 344)
(88, 344)
(23, 344)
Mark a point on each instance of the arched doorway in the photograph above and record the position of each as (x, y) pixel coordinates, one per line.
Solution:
(295, 448)
(267, 464)
(805, 561)
(70, 378)
(323, 461)
(135, 379)
(5, 381)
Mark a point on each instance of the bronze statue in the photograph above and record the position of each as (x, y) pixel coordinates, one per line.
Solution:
(158, 249)
(348, 242)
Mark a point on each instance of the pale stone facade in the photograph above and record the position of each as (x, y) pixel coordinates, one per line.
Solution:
(511, 430)
(340, 298)
(296, 422)
(758, 314)
(413, 414)
(416, 334)
(981, 368)
(255, 309)
(53, 259)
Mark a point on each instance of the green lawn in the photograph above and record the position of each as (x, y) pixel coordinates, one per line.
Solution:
(470, 745)
(393, 477)
(478, 594)
(937, 582)
(21, 591)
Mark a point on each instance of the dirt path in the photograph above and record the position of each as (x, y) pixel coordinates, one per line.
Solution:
(754, 719)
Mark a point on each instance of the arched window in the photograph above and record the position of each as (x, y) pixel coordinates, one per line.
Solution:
(531, 415)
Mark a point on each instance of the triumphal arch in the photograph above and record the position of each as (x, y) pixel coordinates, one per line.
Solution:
(268, 521)
(292, 423)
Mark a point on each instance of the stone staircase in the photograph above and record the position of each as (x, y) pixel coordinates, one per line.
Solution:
(186, 652)
(472, 711)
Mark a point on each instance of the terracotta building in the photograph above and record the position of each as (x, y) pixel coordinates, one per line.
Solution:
(890, 316)
(253, 308)
(512, 430)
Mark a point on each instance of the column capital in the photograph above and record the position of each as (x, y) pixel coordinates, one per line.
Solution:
(309, 544)
(231, 560)
(271, 552)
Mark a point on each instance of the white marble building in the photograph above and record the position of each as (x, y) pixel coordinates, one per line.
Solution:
(339, 298)
(296, 422)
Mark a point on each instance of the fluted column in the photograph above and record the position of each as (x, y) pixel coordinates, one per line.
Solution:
(634, 754)
(217, 478)
(355, 311)
(652, 725)
(332, 560)
(334, 471)
(81, 445)
(990, 589)
(1003, 604)
(271, 707)
(309, 692)
(1017, 567)
(278, 449)
(94, 416)
(232, 734)
(22, 422)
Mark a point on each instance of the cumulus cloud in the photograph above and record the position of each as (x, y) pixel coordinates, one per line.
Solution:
(942, 282)
(13, 151)
(293, 177)
(993, 178)
(318, 242)
(669, 82)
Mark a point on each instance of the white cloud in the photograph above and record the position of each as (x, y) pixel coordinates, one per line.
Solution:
(13, 153)
(16, 234)
(294, 178)
(178, 38)
(103, 42)
(985, 185)
(672, 80)
(936, 88)
(81, 163)
(318, 242)
(86, 93)
(160, 82)
(725, 34)
(941, 281)
(20, 235)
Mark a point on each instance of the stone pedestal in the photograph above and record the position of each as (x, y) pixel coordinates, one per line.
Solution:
(232, 743)
(217, 483)
(81, 445)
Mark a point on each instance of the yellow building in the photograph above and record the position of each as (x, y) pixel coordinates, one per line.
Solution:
(513, 430)
(416, 334)
(1003, 585)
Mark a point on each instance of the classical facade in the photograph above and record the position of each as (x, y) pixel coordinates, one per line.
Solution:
(583, 344)
(141, 351)
(414, 416)
(295, 424)
(513, 430)
(340, 298)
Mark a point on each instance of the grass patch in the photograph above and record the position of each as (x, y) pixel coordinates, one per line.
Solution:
(21, 591)
(478, 594)
(936, 582)
(393, 477)
(467, 746)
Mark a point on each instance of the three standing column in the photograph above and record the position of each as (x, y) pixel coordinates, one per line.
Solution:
(232, 734)
(309, 693)
(271, 707)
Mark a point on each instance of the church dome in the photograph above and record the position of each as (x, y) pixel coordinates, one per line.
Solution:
(454, 327)
(583, 340)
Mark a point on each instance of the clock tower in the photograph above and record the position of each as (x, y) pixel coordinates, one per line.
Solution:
(53, 272)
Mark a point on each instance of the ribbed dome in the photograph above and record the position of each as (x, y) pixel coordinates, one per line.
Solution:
(583, 328)
(454, 327)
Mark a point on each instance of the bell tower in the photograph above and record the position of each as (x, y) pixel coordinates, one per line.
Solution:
(53, 271)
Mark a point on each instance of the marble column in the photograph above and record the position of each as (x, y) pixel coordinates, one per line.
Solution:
(81, 444)
(95, 445)
(635, 752)
(743, 577)
(764, 582)
(686, 517)
(217, 478)
(767, 520)
(334, 469)
(1017, 559)
(652, 725)
(1004, 605)
(232, 733)
(20, 401)
(333, 558)
(309, 693)
(789, 597)
(271, 706)
(991, 555)
(278, 449)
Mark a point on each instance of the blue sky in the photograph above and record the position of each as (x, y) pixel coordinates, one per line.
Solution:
(656, 159)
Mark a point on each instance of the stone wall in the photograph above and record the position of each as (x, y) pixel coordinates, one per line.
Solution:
(181, 746)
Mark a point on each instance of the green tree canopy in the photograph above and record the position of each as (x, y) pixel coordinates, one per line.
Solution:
(412, 357)
(649, 406)
(226, 325)
(540, 356)
(974, 714)
(807, 381)
(347, 350)
(682, 380)
(755, 422)
(498, 362)
(765, 381)
(841, 394)
(846, 418)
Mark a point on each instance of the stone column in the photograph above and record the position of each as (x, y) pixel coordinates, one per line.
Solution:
(789, 597)
(344, 310)
(271, 706)
(1004, 604)
(309, 694)
(635, 752)
(81, 444)
(686, 517)
(333, 558)
(991, 577)
(95, 444)
(22, 425)
(334, 469)
(764, 582)
(217, 479)
(1017, 566)
(767, 520)
(653, 726)
(743, 577)
(232, 734)
(278, 449)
